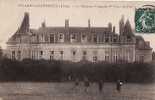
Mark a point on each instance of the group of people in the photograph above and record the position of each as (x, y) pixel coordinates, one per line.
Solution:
(100, 84)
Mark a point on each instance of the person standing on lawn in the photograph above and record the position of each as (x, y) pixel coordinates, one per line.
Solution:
(118, 85)
(100, 85)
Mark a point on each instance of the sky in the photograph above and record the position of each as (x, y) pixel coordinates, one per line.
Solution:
(55, 12)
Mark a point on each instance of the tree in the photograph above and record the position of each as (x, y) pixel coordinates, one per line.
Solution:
(1, 52)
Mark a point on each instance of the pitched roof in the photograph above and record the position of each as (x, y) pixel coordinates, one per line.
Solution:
(47, 30)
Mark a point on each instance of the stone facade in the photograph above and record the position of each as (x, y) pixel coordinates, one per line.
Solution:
(78, 43)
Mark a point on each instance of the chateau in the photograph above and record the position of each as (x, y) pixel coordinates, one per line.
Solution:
(94, 44)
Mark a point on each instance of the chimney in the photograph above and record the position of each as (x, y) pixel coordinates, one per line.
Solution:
(110, 27)
(113, 29)
(89, 25)
(67, 23)
(43, 24)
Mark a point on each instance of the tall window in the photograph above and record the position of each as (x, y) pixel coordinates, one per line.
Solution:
(41, 54)
(74, 53)
(83, 37)
(51, 55)
(106, 39)
(46, 38)
(13, 55)
(51, 38)
(95, 38)
(84, 55)
(19, 55)
(107, 58)
(61, 36)
(141, 59)
(61, 53)
(94, 58)
(73, 36)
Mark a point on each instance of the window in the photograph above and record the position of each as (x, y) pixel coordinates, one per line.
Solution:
(74, 52)
(61, 36)
(115, 59)
(51, 38)
(13, 55)
(84, 53)
(19, 55)
(41, 53)
(52, 52)
(94, 58)
(46, 38)
(61, 52)
(95, 38)
(106, 58)
(73, 36)
(114, 40)
(83, 36)
(141, 59)
(129, 38)
(106, 39)
(51, 55)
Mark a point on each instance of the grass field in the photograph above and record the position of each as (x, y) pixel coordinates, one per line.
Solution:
(67, 91)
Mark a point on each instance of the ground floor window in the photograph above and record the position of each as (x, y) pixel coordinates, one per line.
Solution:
(94, 58)
(19, 55)
(13, 55)
(107, 58)
(141, 59)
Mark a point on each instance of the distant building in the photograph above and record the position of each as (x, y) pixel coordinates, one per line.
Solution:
(76, 44)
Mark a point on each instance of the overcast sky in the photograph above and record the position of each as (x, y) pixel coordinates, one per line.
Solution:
(54, 14)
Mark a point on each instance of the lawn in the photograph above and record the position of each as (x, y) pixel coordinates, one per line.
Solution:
(68, 91)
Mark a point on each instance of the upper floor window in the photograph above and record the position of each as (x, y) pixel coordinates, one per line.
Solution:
(84, 53)
(141, 59)
(74, 52)
(95, 38)
(94, 58)
(106, 39)
(61, 36)
(114, 40)
(46, 38)
(51, 38)
(83, 36)
(106, 58)
(52, 52)
(13, 55)
(73, 36)
(41, 53)
(19, 55)
(61, 52)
